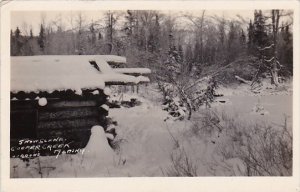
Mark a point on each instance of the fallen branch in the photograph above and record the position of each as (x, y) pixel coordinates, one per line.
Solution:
(243, 80)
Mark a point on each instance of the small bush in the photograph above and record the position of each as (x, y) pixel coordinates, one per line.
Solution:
(181, 165)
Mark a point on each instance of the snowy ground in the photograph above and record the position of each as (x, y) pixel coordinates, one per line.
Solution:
(150, 146)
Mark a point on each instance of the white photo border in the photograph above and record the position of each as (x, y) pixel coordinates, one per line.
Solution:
(146, 184)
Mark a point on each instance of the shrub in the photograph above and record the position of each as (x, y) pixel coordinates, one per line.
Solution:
(265, 150)
(262, 149)
(181, 165)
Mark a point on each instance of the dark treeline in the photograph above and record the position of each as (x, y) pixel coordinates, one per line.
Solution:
(177, 44)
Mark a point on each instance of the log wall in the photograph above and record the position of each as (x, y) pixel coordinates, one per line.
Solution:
(68, 119)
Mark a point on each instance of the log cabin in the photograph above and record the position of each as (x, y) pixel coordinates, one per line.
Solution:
(59, 99)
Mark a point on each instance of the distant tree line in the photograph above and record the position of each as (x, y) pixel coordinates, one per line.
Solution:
(161, 42)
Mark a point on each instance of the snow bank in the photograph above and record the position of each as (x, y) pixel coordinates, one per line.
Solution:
(49, 73)
(132, 70)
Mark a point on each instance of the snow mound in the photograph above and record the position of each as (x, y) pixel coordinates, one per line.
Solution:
(98, 152)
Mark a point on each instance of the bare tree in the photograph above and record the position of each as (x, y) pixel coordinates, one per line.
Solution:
(272, 63)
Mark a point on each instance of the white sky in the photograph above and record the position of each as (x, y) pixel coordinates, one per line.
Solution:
(32, 19)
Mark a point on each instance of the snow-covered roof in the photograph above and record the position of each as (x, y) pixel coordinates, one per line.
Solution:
(133, 70)
(143, 79)
(112, 58)
(49, 73)
(61, 72)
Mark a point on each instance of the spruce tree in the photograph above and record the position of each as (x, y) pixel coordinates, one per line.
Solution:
(31, 34)
(260, 37)
(41, 38)
(173, 60)
(251, 48)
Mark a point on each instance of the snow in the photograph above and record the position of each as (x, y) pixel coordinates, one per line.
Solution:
(269, 60)
(49, 73)
(115, 77)
(98, 152)
(268, 47)
(107, 91)
(104, 106)
(141, 79)
(78, 92)
(110, 58)
(42, 101)
(109, 136)
(96, 92)
(133, 70)
(61, 72)
(146, 141)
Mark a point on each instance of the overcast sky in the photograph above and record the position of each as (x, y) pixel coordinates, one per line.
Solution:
(32, 19)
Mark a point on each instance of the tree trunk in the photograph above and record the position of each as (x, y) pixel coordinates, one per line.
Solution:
(274, 74)
(274, 68)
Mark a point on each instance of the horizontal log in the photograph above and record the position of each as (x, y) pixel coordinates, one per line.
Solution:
(55, 103)
(67, 113)
(80, 133)
(61, 124)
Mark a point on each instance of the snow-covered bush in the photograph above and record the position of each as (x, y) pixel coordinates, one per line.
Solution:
(181, 99)
(174, 107)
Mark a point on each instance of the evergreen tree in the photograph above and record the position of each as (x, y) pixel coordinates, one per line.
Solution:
(17, 33)
(260, 37)
(172, 63)
(242, 38)
(251, 48)
(17, 43)
(285, 50)
(42, 38)
(31, 34)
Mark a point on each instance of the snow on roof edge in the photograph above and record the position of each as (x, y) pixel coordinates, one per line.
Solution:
(132, 70)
